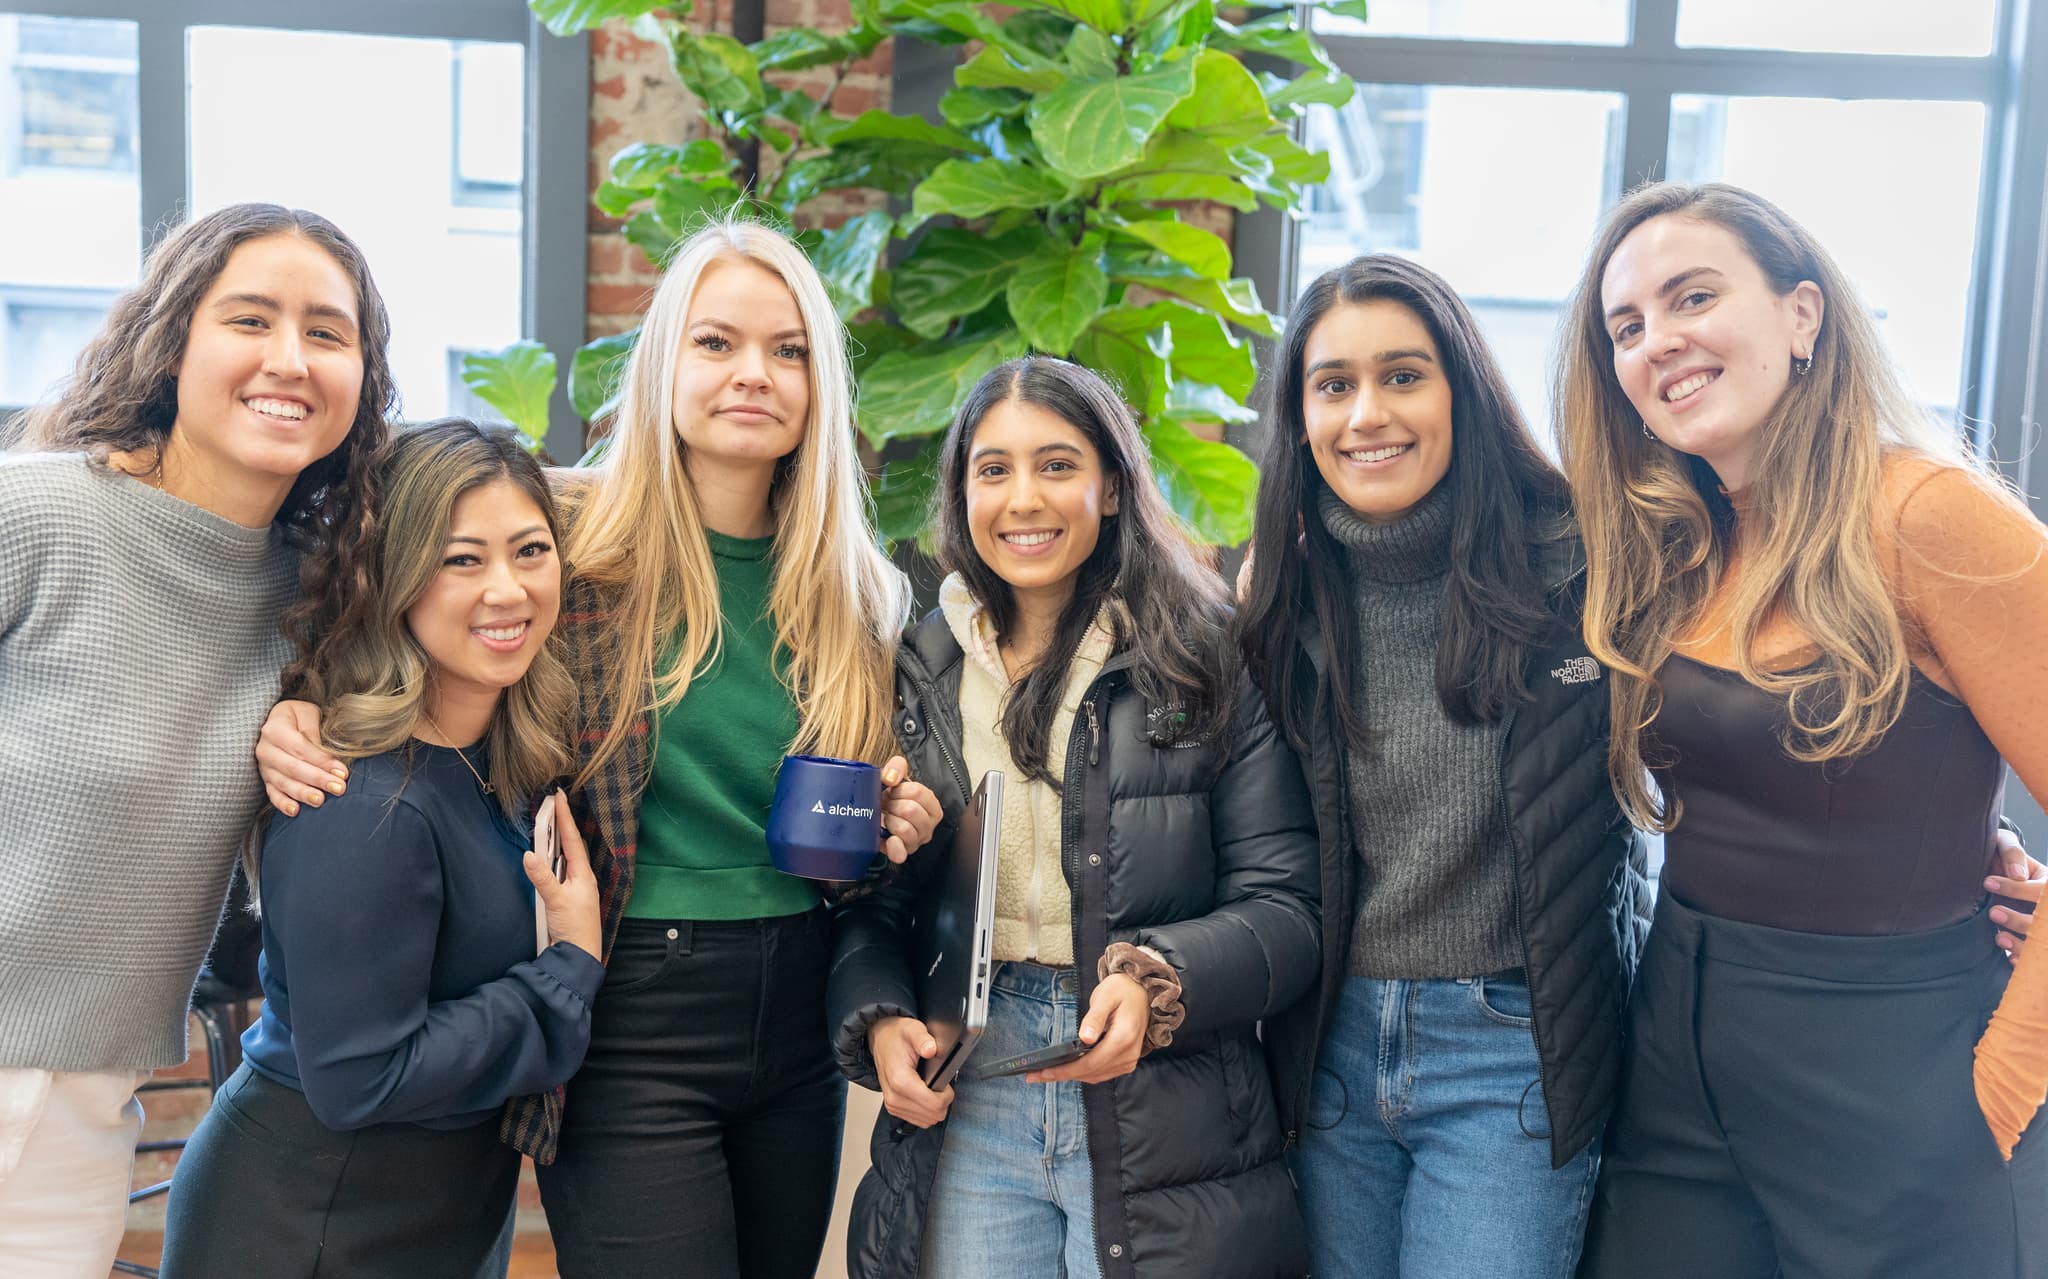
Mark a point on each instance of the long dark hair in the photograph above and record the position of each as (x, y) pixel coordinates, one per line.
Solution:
(1178, 625)
(1506, 500)
(122, 395)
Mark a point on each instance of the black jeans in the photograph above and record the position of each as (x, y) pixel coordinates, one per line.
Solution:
(701, 1137)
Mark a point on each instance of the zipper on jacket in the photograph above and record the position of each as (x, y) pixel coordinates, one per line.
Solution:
(1507, 821)
(927, 697)
(1094, 735)
(1070, 861)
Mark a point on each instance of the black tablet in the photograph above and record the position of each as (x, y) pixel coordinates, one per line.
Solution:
(954, 933)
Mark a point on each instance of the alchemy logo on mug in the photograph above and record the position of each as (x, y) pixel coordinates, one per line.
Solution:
(840, 810)
(826, 820)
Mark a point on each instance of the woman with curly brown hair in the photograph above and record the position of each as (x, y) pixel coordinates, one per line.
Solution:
(148, 550)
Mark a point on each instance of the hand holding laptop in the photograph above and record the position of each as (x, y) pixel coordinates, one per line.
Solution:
(900, 1045)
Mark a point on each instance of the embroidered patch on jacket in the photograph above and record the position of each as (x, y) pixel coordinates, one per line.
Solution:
(1578, 670)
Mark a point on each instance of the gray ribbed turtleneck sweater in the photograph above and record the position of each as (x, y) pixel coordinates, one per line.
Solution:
(1427, 820)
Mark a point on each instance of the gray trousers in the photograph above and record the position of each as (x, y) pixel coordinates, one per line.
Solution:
(1801, 1104)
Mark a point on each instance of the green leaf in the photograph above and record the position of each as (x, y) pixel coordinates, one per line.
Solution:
(642, 166)
(1038, 31)
(1227, 102)
(718, 69)
(956, 21)
(613, 200)
(1323, 85)
(648, 233)
(866, 343)
(914, 392)
(881, 126)
(903, 494)
(1353, 9)
(891, 167)
(847, 256)
(966, 108)
(798, 49)
(1091, 54)
(1234, 300)
(1194, 343)
(1052, 297)
(595, 372)
(517, 382)
(994, 69)
(954, 272)
(800, 109)
(685, 203)
(1103, 15)
(1133, 359)
(1188, 401)
(1289, 167)
(973, 188)
(568, 17)
(1208, 484)
(1219, 187)
(1092, 127)
(1200, 251)
(1280, 35)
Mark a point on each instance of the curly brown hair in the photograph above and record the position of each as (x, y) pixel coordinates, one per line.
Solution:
(122, 395)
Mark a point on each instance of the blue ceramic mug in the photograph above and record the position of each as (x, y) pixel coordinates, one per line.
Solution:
(827, 818)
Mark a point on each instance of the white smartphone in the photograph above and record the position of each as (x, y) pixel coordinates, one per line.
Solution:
(549, 847)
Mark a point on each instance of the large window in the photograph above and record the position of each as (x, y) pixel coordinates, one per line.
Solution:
(404, 121)
(1488, 136)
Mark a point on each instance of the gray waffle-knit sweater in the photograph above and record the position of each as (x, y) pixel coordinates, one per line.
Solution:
(1426, 813)
(139, 652)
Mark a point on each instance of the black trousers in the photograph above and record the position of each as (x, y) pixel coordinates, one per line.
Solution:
(265, 1189)
(1801, 1105)
(701, 1137)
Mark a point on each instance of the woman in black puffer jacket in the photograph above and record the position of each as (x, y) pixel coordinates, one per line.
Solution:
(1157, 888)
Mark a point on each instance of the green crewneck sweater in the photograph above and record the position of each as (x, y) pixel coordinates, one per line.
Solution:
(702, 851)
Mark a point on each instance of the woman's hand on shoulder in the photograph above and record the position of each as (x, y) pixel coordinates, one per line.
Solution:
(910, 811)
(1118, 1014)
(898, 1044)
(296, 769)
(571, 902)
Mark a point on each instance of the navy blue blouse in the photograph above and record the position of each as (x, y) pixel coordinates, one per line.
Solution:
(400, 982)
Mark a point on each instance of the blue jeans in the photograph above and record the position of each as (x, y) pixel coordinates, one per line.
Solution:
(1013, 1196)
(1426, 1150)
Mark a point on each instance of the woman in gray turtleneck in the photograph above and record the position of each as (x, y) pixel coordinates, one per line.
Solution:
(1412, 619)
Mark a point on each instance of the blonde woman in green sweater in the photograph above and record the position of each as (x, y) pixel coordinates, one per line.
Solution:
(729, 605)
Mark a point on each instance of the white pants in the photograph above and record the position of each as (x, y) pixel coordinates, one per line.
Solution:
(67, 1150)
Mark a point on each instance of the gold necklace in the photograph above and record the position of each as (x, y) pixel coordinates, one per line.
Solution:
(488, 788)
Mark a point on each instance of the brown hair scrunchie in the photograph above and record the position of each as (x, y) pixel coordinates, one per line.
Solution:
(1162, 988)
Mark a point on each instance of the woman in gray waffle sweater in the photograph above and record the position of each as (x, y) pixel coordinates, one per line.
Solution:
(148, 553)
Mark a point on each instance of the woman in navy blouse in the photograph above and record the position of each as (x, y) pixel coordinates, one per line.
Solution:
(420, 965)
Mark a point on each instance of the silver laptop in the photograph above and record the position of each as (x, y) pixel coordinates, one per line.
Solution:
(953, 936)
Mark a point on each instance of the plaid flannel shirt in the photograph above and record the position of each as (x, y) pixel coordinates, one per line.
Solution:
(607, 812)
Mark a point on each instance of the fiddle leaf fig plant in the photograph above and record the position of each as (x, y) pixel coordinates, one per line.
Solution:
(1055, 206)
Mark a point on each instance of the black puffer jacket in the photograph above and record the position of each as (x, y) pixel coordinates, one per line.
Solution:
(1208, 858)
(1581, 891)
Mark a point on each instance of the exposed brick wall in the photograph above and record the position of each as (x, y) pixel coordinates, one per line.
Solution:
(635, 97)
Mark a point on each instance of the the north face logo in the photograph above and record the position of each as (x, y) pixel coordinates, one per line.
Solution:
(1579, 670)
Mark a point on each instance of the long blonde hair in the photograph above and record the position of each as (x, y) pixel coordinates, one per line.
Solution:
(1656, 527)
(367, 672)
(838, 603)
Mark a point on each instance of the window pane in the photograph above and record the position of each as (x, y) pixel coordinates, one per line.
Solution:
(70, 203)
(392, 168)
(1958, 28)
(1552, 22)
(1494, 189)
(1905, 234)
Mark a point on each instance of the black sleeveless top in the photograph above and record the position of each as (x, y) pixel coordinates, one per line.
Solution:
(1895, 840)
